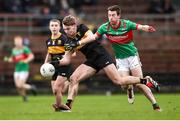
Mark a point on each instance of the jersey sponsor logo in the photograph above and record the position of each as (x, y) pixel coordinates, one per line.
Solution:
(121, 39)
(63, 74)
(107, 62)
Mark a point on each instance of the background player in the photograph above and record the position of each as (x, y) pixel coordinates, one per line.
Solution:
(55, 52)
(21, 55)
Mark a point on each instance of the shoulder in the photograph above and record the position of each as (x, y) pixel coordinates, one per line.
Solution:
(104, 25)
(126, 21)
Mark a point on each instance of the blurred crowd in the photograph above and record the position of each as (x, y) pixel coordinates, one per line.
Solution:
(43, 6)
(161, 7)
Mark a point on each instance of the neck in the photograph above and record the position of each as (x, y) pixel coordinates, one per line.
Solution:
(55, 35)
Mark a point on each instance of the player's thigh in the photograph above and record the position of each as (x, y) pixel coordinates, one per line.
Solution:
(24, 77)
(17, 79)
(137, 72)
(82, 72)
(112, 72)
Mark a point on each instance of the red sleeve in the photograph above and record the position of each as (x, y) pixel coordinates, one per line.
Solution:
(99, 35)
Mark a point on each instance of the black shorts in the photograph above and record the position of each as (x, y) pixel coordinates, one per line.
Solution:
(64, 71)
(99, 61)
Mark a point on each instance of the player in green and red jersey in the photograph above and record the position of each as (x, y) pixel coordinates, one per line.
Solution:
(21, 55)
(120, 34)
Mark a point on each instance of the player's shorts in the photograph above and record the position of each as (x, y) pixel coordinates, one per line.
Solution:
(23, 75)
(128, 64)
(64, 71)
(99, 59)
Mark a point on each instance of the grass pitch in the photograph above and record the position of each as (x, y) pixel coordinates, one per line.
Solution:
(91, 107)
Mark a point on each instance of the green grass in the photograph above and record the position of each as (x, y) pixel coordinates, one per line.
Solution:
(96, 107)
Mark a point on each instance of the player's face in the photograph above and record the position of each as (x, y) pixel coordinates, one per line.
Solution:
(113, 17)
(18, 42)
(70, 30)
(54, 27)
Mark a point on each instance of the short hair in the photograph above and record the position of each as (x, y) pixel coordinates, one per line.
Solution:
(115, 8)
(69, 20)
(55, 20)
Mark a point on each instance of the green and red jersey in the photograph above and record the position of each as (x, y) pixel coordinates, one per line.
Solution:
(121, 37)
(18, 55)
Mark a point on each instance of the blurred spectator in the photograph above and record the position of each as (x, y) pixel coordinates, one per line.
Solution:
(161, 6)
(13, 6)
(44, 22)
(167, 6)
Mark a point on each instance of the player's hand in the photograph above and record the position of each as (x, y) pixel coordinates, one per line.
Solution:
(55, 63)
(74, 44)
(68, 47)
(151, 29)
(6, 59)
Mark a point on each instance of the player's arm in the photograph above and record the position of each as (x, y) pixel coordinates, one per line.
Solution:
(66, 60)
(29, 58)
(89, 38)
(146, 28)
(47, 58)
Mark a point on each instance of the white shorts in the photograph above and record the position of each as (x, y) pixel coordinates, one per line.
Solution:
(21, 75)
(128, 64)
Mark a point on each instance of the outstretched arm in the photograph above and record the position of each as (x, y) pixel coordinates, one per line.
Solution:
(146, 28)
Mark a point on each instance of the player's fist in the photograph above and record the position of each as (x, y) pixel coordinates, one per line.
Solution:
(151, 29)
(74, 44)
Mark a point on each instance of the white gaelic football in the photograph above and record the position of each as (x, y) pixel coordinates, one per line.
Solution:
(47, 70)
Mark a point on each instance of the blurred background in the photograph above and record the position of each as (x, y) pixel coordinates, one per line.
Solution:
(159, 51)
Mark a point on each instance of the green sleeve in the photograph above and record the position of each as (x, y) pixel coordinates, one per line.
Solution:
(131, 25)
(102, 29)
(27, 50)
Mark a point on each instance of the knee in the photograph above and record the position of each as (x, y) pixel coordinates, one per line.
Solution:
(73, 80)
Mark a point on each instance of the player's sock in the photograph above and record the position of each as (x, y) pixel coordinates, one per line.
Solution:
(143, 80)
(34, 90)
(156, 107)
(25, 99)
(69, 103)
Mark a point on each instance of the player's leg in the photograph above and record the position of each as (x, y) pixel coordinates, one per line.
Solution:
(123, 69)
(24, 77)
(57, 90)
(65, 86)
(19, 85)
(146, 90)
(82, 72)
(114, 75)
(128, 88)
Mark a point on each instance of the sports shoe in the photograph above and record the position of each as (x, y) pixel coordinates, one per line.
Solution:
(152, 84)
(156, 107)
(61, 108)
(64, 108)
(130, 94)
(34, 90)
